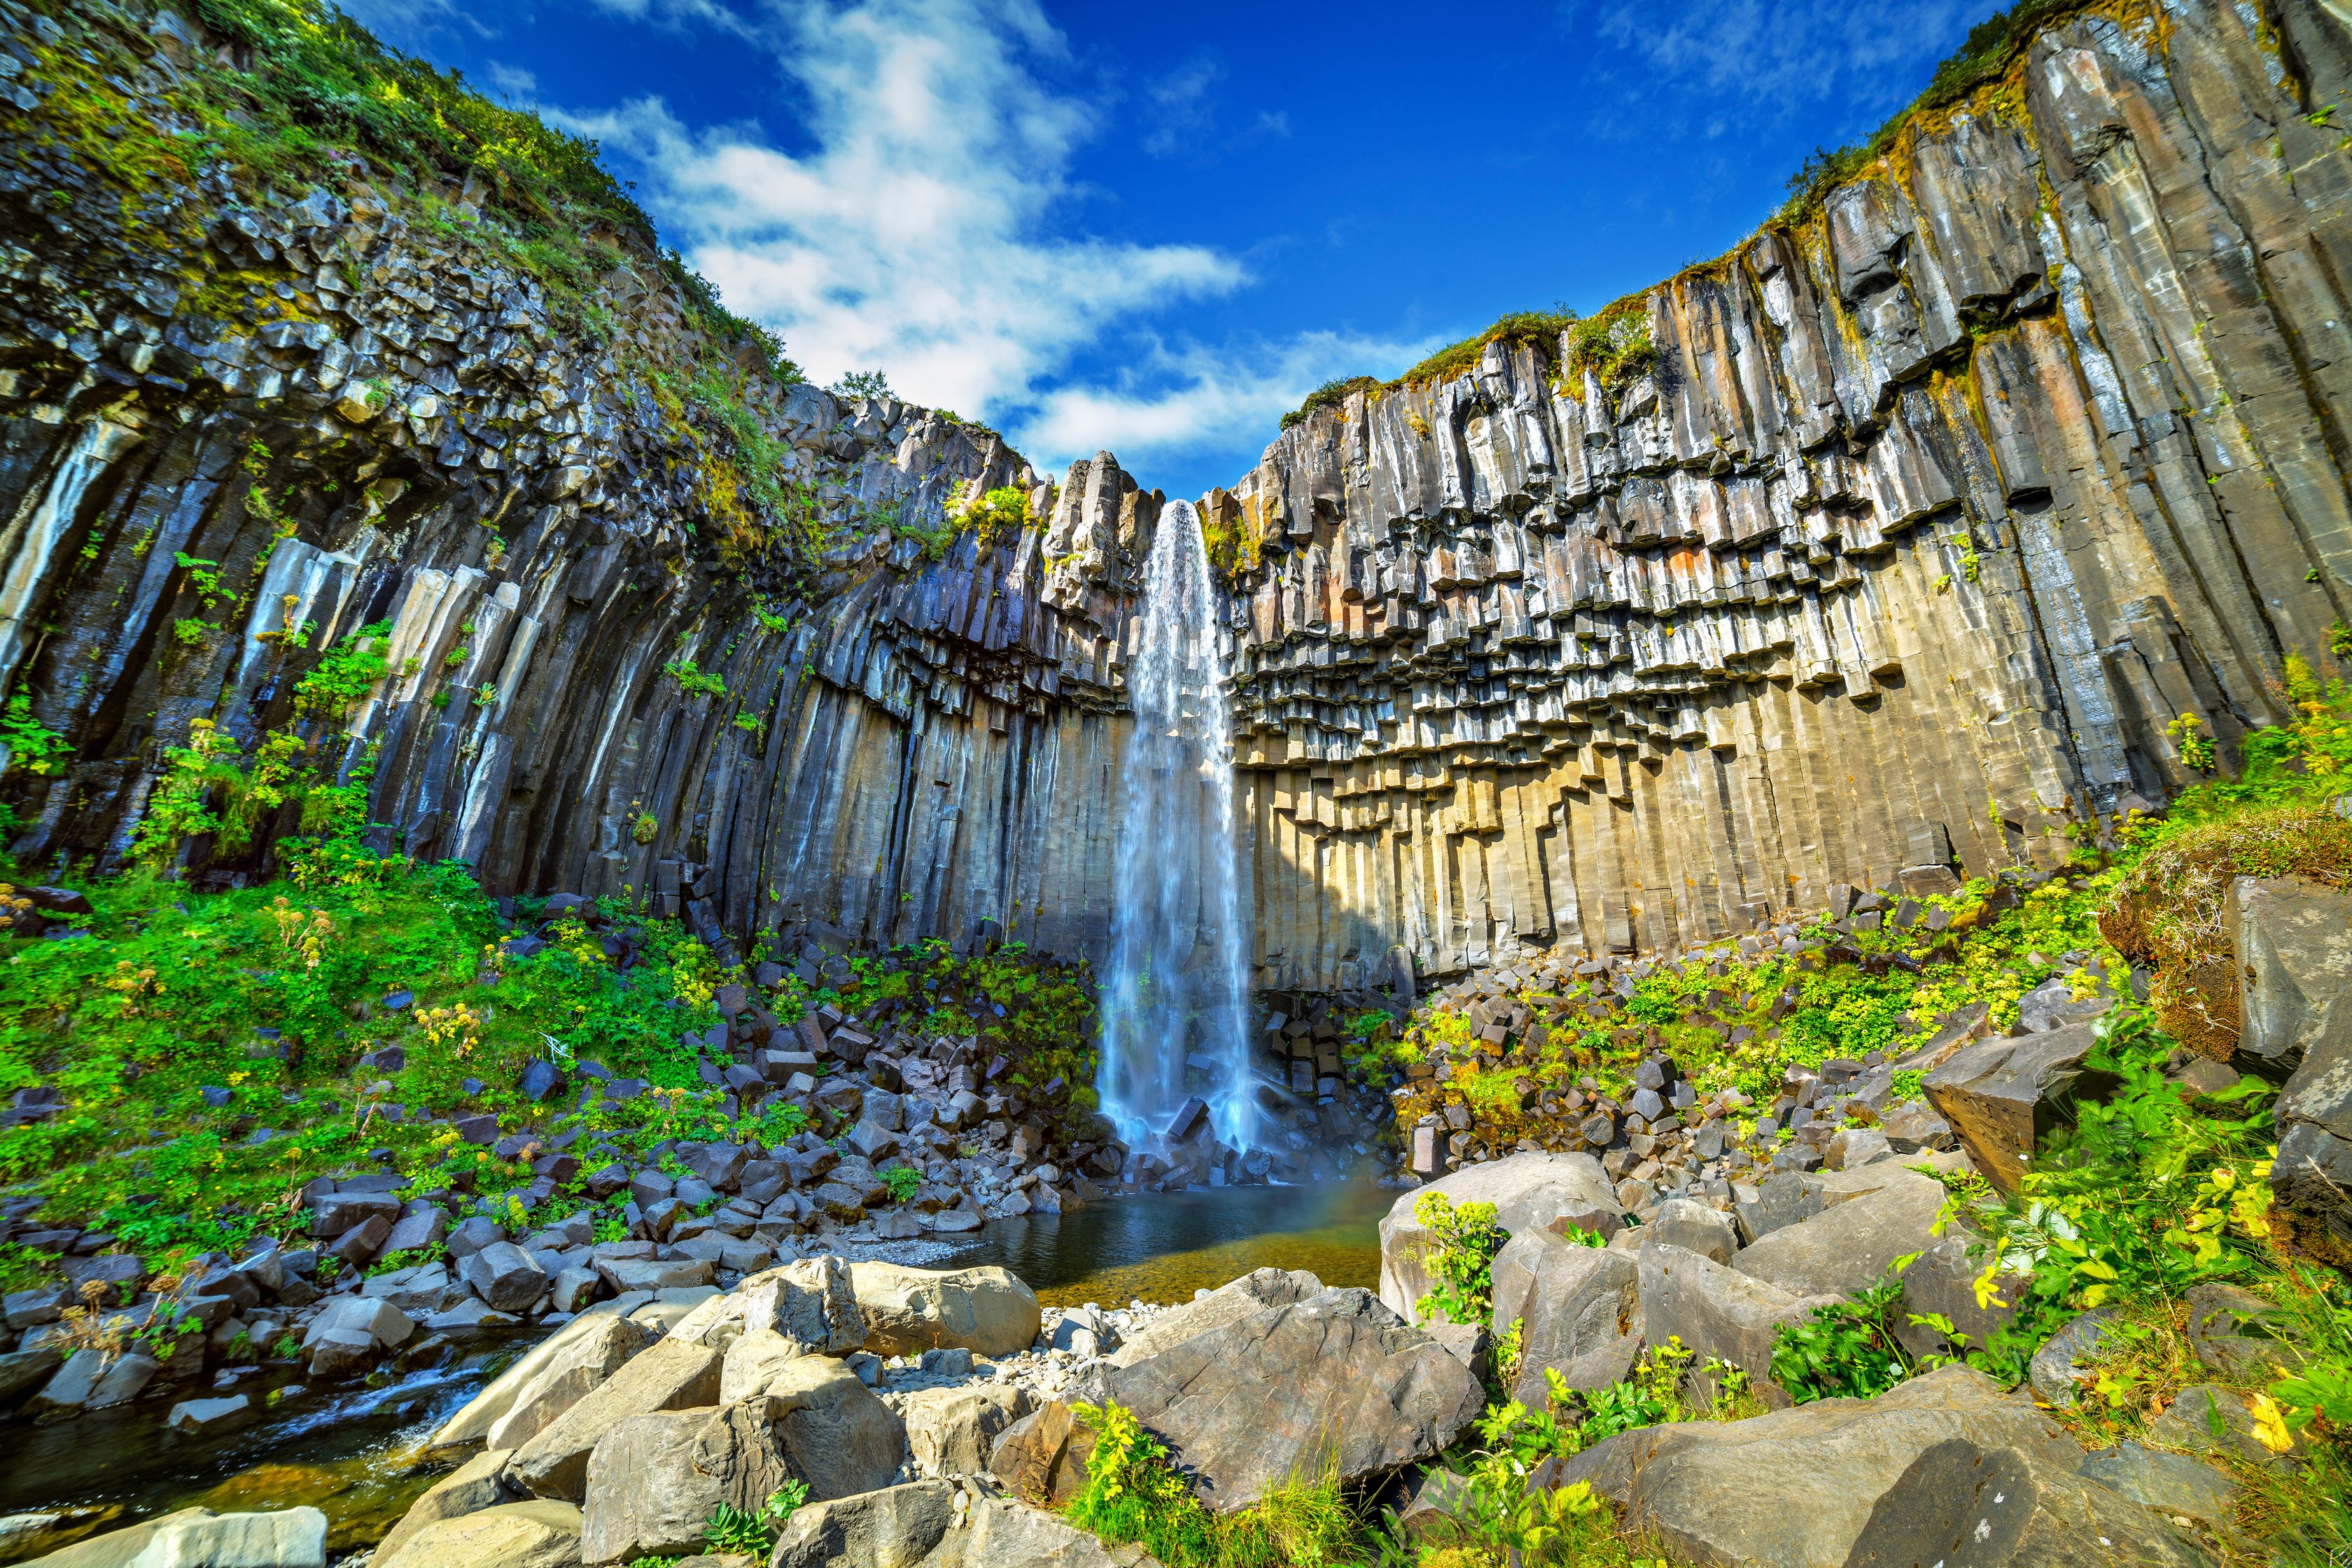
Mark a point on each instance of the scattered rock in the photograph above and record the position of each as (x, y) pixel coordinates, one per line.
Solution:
(2002, 1096)
(469, 1489)
(675, 1374)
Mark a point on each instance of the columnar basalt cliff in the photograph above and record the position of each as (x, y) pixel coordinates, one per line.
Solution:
(660, 618)
(1933, 510)
(1924, 515)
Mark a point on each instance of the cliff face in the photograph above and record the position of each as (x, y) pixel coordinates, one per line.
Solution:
(1933, 510)
(235, 403)
(1923, 519)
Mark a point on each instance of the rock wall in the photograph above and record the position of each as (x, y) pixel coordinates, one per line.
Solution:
(1933, 510)
(347, 403)
(1937, 506)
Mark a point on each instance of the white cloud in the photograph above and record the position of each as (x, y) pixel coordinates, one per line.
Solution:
(1785, 53)
(680, 13)
(400, 18)
(1182, 118)
(1196, 399)
(925, 229)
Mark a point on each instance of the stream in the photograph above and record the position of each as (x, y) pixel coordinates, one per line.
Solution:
(357, 1452)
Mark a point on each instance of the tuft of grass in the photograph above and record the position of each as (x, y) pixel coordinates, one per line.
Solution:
(1330, 394)
(1539, 330)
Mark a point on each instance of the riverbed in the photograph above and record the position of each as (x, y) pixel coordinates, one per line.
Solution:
(357, 1452)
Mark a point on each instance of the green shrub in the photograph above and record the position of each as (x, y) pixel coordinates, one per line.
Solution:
(1133, 1495)
(1330, 394)
(1460, 1260)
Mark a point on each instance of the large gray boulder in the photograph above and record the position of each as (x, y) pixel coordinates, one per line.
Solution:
(675, 1374)
(581, 1365)
(953, 1431)
(1717, 1311)
(1335, 1381)
(2002, 1096)
(655, 1480)
(1528, 1191)
(897, 1527)
(2293, 941)
(1943, 1282)
(1252, 1293)
(812, 1302)
(1849, 1247)
(1875, 1483)
(473, 1421)
(999, 1533)
(469, 1489)
(908, 1311)
(1579, 1310)
(839, 1437)
(199, 1538)
(541, 1532)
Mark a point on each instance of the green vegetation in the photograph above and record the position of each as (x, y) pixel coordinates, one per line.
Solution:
(1461, 1259)
(1846, 1350)
(39, 750)
(693, 680)
(862, 384)
(731, 1529)
(1332, 395)
(1987, 54)
(904, 1182)
(1539, 329)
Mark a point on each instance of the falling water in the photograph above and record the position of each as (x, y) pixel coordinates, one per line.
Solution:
(1174, 1009)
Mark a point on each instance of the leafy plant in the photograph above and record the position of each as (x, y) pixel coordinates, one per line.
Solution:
(345, 675)
(1460, 1260)
(30, 745)
(1845, 1350)
(693, 679)
(741, 1532)
(904, 1182)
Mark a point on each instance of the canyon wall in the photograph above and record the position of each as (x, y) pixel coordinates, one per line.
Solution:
(232, 406)
(1933, 510)
(1936, 509)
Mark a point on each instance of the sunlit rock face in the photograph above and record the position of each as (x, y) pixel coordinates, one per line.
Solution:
(1936, 509)
(1930, 513)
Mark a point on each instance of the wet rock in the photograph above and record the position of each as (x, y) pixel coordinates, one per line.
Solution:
(1528, 1191)
(1359, 1391)
(985, 1310)
(193, 1416)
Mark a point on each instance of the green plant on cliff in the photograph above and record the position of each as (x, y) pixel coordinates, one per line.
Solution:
(1332, 393)
(693, 679)
(345, 674)
(1460, 1260)
(30, 744)
(1539, 330)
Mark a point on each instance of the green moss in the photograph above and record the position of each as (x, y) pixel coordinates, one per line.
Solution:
(1539, 330)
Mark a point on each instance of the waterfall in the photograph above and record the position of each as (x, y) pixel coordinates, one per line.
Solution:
(1175, 1004)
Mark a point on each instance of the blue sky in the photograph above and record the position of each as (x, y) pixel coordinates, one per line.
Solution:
(1153, 228)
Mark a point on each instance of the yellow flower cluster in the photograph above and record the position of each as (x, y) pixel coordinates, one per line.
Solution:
(458, 1027)
(302, 932)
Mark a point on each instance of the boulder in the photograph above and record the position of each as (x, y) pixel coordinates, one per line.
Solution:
(1873, 1484)
(2229, 1329)
(627, 1275)
(1043, 1456)
(984, 1310)
(1337, 1380)
(2294, 946)
(2059, 1361)
(653, 1480)
(1715, 1312)
(1252, 1293)
(897, 1527)
(469, 1489)
(1943, 1280)
(504, 1275)
(473, 1421)
(114, 1548)
(1579, 1310)
(675, 1374)
(384, 1324)
(953, 1431)
(2002, 1096)
(543, 1532)
(838, 1437)
(1782, 1198)
(192, 1417)
(2206, 1418)
(1680, 1222)
(2170, 1483)
(582, 1363)
(282, 1538)
(1847, 1247)
(814, 1302)
(997, 1533)
(1528, 1191)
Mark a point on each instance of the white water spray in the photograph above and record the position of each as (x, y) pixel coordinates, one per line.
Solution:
(1179, 984)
